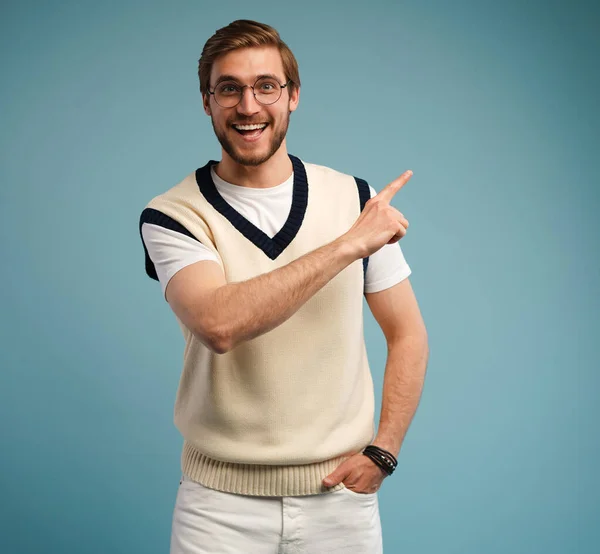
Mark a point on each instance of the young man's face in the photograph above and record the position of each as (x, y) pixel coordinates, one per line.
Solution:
(245, 66)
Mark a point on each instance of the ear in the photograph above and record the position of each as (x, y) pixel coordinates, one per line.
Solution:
(294, 99)
(206, 103)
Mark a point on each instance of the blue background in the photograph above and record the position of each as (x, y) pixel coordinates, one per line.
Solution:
(493, 105)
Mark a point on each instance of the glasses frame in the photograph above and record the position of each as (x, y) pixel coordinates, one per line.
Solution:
(242, 87)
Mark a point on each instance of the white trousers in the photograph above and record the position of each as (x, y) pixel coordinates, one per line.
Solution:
(207, 521)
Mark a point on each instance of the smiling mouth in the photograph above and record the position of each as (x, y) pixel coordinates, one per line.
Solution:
(251, 131)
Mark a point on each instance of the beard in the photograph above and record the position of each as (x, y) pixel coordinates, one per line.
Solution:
(252, 159)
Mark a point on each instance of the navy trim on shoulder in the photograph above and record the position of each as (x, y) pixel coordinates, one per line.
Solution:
(150, 215)
(272, 247)
(364, 194)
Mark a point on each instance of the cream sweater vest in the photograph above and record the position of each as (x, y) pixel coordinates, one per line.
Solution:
(276, 414)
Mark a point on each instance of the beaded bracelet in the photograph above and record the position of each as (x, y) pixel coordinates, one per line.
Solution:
(384, 459)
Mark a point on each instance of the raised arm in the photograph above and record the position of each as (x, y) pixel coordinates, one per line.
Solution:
(225, 314)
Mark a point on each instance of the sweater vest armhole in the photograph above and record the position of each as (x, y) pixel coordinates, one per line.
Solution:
(364, 194)
(155, 217)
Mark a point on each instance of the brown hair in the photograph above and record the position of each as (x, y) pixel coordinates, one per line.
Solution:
(244, 33)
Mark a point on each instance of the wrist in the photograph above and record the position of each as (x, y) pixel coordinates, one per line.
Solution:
(387, 444)
(382, 458)
(348, 250)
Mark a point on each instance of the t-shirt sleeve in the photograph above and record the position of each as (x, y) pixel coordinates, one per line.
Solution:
(387, 266)
(169, 250)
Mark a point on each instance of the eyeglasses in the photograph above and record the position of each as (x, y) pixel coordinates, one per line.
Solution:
(266, 90)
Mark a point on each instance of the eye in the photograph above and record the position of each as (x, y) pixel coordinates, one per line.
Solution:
(228, 88)
(268, 86)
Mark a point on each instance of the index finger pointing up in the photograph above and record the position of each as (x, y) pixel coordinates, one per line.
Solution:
(387, 193)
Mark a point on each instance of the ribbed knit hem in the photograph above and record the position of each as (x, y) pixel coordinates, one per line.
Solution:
(258, 480)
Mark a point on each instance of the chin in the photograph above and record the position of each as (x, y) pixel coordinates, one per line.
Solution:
(252, 156)
(253, 159)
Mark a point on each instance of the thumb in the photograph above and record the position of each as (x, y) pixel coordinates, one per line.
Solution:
(335, 477)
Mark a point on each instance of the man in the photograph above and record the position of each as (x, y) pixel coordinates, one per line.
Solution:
(264, 260)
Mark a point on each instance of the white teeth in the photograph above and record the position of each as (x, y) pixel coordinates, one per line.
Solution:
(250, 127)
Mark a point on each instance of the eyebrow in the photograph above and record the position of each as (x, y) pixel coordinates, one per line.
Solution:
(233, 78)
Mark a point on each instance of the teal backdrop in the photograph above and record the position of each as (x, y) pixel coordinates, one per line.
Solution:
(493, 105)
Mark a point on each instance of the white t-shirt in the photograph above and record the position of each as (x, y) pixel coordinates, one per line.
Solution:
(268, 209)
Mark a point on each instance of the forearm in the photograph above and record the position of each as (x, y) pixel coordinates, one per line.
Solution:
(251, 308)
(402, 386)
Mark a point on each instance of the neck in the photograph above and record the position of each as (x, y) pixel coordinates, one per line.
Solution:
(271, 173)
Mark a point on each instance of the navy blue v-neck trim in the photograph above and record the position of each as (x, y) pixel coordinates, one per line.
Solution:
(272, 247)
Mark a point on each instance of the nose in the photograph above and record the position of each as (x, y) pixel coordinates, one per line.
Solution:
(248, 104)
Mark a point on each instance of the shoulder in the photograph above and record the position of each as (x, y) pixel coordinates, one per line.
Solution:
(175, 207)
(341, 185)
